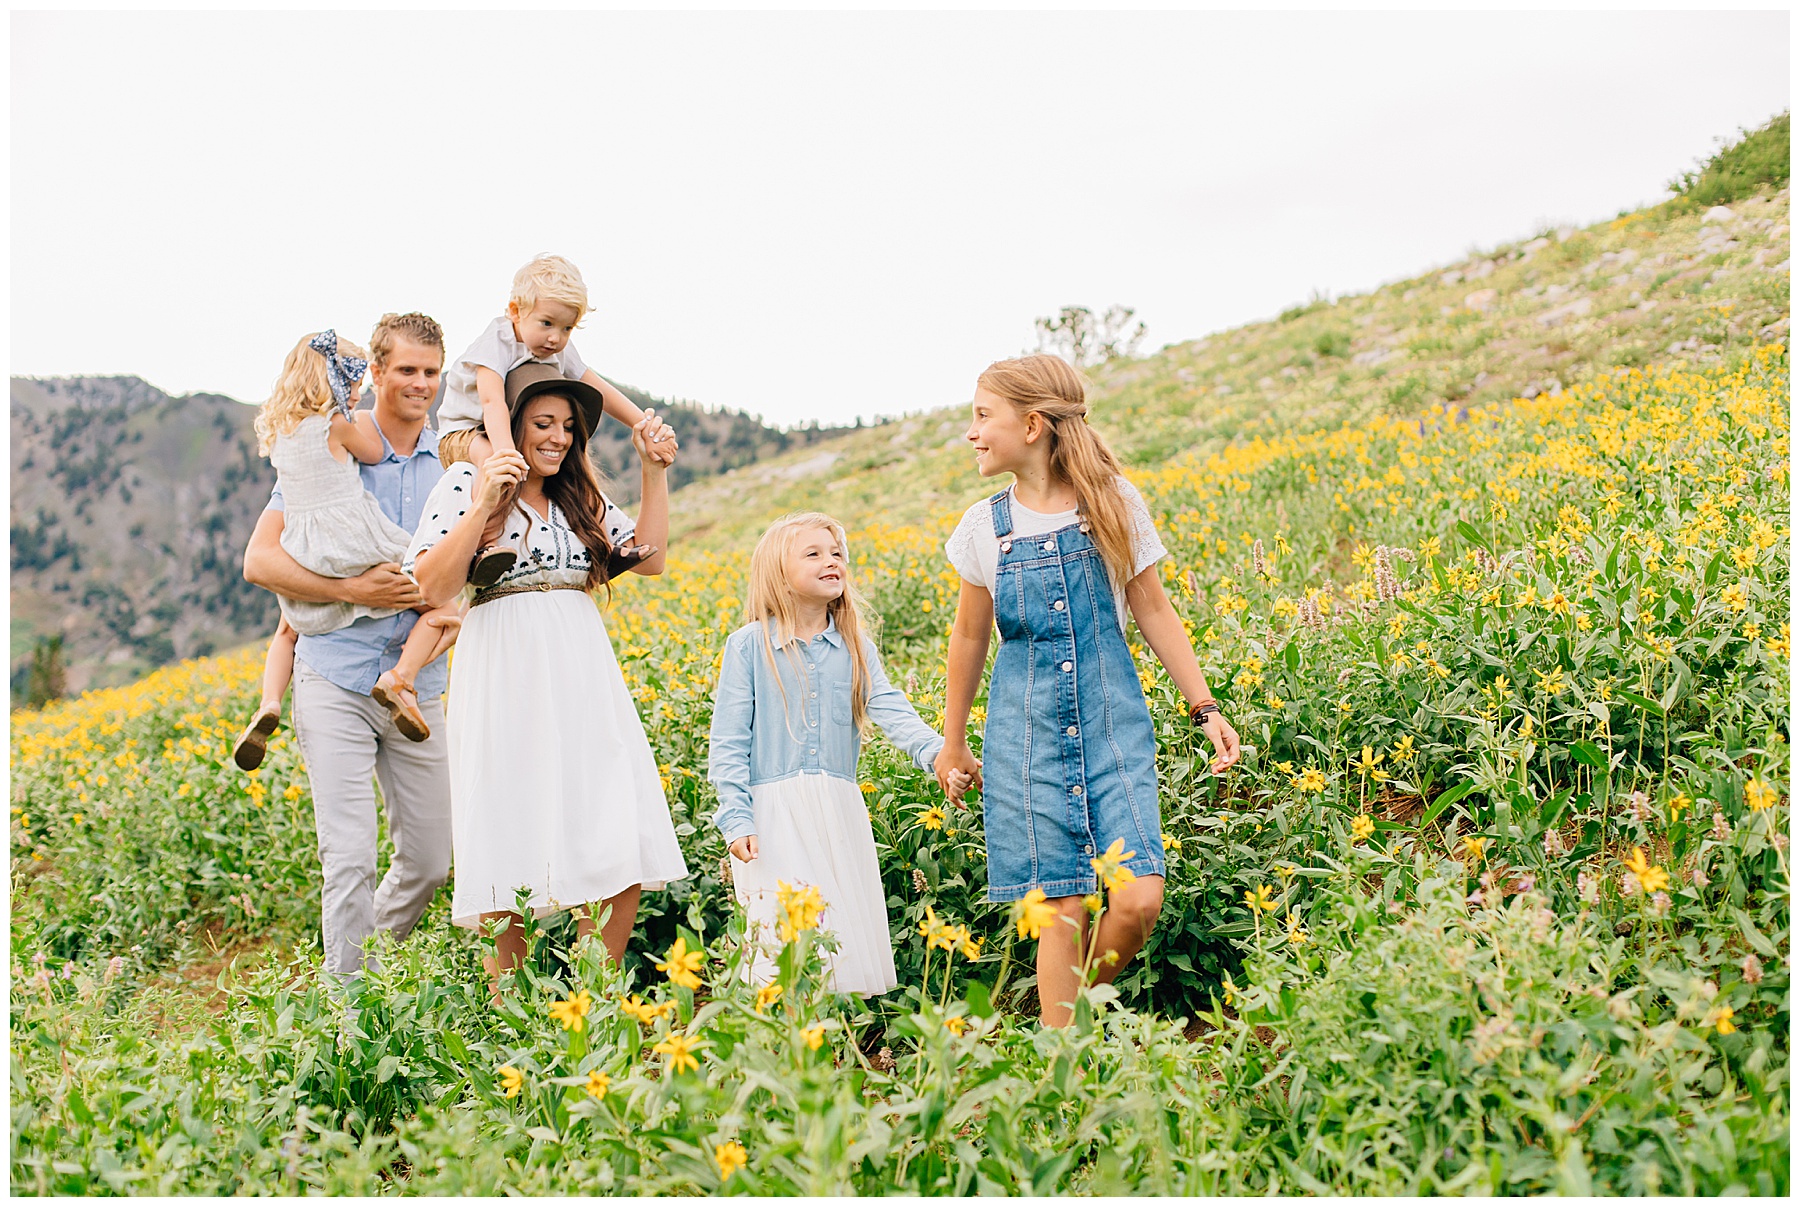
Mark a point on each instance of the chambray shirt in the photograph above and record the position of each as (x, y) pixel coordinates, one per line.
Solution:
(755, 740)
(355, 656)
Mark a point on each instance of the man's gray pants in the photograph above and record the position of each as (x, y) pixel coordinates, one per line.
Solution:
(347, 741)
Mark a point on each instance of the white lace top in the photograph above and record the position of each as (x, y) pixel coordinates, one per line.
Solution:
(549, 552)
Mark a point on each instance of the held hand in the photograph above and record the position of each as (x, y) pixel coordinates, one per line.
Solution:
(502, 469)
(744, 849)
(654, 440)
(957, 770)
(1224, 739)
(383, 586)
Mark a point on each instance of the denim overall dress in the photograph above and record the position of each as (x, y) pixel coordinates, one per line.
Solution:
(1069, 755)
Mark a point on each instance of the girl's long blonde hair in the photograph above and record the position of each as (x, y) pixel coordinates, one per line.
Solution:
(302, 390)
(1049, 386)
(771, 604)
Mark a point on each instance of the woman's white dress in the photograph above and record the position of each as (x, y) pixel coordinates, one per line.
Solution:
(329, 523)
(553, 785)
(813, 828)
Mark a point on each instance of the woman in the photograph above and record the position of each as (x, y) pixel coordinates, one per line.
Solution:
(553, 786)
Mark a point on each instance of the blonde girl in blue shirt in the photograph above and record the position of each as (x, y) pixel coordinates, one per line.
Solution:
(798, 686)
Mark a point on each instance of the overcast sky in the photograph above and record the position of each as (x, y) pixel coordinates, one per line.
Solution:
(811, 215)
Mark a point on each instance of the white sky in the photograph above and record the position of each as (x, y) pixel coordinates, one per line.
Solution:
(809, 215)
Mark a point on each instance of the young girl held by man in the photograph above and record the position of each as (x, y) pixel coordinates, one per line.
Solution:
(1056, 563)
(798, 686)
(315, 437)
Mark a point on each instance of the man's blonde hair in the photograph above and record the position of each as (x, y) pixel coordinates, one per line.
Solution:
(302, 390)
(549, 279)
(421, 329)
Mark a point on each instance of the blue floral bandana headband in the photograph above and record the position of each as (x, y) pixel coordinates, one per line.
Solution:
(345, 373)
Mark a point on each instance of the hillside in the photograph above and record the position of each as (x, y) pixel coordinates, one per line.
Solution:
(1520, 319)
(130, 509)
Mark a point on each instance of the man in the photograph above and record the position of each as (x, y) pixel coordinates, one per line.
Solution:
(346, 738)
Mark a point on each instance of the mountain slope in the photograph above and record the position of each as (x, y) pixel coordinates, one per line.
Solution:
(1524, 318)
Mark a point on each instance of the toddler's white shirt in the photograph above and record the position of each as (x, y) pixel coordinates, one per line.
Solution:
(496, 348)
(975, 551)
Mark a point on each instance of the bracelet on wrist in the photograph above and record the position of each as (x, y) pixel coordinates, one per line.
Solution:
(1197, 713)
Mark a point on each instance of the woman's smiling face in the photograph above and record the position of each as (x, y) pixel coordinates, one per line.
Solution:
(548, 435)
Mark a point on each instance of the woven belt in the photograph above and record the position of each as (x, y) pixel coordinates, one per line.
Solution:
(506, 589)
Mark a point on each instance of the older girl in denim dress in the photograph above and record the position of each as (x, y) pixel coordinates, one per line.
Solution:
(1055, 562)
(797, 687)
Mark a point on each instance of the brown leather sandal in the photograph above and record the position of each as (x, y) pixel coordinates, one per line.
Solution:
(253, 743)
(623, 558)
(402, 702)
(490, 564)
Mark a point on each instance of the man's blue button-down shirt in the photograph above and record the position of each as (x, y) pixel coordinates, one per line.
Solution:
(355, 656)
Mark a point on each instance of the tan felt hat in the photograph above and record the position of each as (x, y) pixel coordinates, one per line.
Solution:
(529, 378)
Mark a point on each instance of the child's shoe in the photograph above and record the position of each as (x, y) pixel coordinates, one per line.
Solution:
(253, 743)
(490, 564)
(402, 702)
(625, 557)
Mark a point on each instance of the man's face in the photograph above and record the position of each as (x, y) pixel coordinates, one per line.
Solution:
(408, 382)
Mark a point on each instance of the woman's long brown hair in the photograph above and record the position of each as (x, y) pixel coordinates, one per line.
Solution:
(575, 488)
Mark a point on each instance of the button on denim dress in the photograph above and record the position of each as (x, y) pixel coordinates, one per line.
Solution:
(1069, 754)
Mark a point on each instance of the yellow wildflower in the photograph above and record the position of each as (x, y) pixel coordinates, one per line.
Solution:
(597, 1084)
(1110, 866)
(932, 818)
(766, 996)
(800, 909)
(813, 1036)
(1261, 899)
(1652, 878)
(1033, 913)
(572, 1013)
(1362, 827)
(645, 1012)
(683, 966)
(1758, 795)
(511, 1080)
(680, 1051)
(937, 933)
(731, 1157)
(1369, 765)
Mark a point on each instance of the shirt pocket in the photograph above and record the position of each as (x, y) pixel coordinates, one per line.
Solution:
(840, 704)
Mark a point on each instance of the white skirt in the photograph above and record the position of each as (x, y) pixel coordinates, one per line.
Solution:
(553, 786)
(813, 828)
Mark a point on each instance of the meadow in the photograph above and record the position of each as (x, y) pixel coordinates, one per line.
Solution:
(1497, 902)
